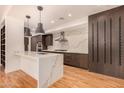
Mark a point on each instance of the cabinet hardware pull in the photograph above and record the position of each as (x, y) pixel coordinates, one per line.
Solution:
(120, 41)
(110, 40)
(92, 42)
(97, 42)
(104, 41)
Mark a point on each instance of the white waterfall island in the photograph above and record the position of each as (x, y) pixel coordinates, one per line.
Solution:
(46, 68)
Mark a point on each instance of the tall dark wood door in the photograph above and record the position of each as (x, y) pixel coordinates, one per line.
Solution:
(121, 42)
(106, 42)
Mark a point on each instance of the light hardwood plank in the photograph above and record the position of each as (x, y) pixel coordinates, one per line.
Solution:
(17, 79)
(73, 78)
(79, 78)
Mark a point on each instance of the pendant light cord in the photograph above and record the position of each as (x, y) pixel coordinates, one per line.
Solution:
(40, 16)
(27, 22)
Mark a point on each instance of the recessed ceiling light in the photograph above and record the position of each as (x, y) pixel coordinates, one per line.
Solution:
(69, 14)
(52, 21)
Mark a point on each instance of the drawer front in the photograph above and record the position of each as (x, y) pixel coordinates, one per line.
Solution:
(77, 60)
(68, 59)
(82, 60)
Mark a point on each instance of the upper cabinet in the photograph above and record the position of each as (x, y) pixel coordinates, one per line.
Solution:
(47, 39)
(34, 41)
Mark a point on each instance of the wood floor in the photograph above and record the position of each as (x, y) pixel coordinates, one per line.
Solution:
(79, 78)
(17, 79)
(73, 78)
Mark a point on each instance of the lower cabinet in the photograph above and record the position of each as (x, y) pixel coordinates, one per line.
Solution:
(74, 59)
(77, 60)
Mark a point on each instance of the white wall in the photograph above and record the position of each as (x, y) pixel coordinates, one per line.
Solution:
(77, 40)
(14, 42)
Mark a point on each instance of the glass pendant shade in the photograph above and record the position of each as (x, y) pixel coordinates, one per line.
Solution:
(27, 31)
(39, 28)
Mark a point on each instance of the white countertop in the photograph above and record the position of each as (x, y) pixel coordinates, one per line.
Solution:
(68, 51)
(35, 54)
(45, 68)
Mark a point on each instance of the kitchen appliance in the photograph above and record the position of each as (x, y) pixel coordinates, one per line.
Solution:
(62, 42)
(62, 37)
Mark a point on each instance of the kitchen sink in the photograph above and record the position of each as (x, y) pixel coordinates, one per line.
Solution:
(60, 50)
(43, 53)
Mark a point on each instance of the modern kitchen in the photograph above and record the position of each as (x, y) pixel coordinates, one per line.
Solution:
(61, 46)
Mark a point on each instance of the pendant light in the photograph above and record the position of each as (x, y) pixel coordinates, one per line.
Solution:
(26, 27)
(39, 28)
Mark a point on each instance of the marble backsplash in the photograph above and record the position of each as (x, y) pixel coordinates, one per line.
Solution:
(77, 41)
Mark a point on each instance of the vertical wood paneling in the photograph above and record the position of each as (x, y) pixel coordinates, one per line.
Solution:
(93, 42)
(97, 41)
(120, 40)
(121, 64)
(100, 65)
(93, 48)
(90, 43)
(108, 42)
(104, 41)
(115, 43)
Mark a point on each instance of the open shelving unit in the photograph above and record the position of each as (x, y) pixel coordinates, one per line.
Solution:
(3, 46)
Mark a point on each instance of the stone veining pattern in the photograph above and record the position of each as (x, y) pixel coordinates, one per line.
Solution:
(51, 72)
(77, 41)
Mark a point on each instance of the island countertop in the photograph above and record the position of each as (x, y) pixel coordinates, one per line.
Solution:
(35, 54)
(46, 68)
(68, 51)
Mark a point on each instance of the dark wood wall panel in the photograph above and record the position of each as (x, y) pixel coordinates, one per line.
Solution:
(106, 42)
(121, 45)
(90, 36)
(100, 65)
(95, 44)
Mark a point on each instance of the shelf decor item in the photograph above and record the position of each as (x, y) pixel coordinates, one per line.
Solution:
(27, 31)
(39, 28)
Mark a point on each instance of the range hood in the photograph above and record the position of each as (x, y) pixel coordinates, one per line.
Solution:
(62, 37)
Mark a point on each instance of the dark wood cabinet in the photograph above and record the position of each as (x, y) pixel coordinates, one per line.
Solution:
(77, 60)
(82, 59)
(26, 43)
(34, 41)
(74, 59)
(68, 59)
(106, 37)
(47, 39)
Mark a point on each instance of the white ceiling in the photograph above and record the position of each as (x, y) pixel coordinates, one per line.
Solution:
(54, 12)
